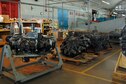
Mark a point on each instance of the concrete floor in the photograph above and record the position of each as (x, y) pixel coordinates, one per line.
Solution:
(98, 72)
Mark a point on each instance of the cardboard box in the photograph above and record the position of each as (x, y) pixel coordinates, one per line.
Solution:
(6, 18)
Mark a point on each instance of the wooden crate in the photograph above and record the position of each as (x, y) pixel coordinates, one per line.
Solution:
(80, 59)
(119, 73)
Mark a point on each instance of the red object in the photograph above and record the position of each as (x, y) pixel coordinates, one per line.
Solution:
(14, 10)
(8, 8)
(94, 21)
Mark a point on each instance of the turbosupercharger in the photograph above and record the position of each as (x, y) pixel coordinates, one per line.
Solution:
(32, 43)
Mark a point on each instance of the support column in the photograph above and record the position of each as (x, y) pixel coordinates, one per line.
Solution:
(89, 15)
(62, 17)
(19, 17)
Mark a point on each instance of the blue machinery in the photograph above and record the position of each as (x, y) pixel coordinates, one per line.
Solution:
(18, 77)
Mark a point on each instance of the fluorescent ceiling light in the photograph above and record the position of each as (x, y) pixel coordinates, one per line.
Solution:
(105, 2)
(123, 15)
(116, 7)
(114, 12)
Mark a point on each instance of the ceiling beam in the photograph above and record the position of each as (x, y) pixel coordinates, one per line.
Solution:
(99, 5)
(56, 7)
(60, 2)
(116, 5)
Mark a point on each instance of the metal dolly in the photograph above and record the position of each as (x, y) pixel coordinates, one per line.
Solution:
(19, 77)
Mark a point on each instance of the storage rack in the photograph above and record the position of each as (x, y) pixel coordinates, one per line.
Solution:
(4, 32)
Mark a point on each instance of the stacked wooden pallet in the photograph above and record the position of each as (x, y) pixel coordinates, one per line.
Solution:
(80, 59)
(83, 58)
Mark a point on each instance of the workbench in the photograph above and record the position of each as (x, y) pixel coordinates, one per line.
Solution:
(3, 34)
